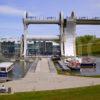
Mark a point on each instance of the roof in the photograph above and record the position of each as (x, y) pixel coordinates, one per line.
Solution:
(5, 64)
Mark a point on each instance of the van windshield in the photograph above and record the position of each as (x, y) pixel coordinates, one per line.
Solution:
(3, 69)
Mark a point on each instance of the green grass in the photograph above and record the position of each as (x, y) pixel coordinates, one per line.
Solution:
(94, 76)
(85, 93)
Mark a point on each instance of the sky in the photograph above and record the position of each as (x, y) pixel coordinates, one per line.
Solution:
(12, 12)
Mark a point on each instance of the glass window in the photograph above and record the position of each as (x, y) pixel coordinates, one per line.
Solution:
(3, 69)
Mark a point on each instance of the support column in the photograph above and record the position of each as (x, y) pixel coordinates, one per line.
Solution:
(25, 35)
(61, 33)
(21, 45)
(70, 37)
(25, 40)
(64, 39)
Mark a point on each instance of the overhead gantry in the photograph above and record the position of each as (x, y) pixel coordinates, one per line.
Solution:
(27, 20)
(67, 30)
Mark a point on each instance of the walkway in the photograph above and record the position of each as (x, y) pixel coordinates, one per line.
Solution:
(43, 79)
(42, 66)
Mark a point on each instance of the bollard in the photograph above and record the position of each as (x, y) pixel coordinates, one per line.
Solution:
(9, 89)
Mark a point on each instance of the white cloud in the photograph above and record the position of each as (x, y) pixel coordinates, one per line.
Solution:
(11, 11)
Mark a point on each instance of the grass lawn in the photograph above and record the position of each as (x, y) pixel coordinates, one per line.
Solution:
(85, 93)
(95, 76)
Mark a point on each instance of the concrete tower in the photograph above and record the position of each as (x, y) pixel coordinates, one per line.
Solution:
(25, 35)
(70, 36)
(61, 18)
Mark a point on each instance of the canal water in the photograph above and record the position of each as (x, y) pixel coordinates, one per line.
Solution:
(86, 71)
(21, 67)
(19, 70)
(91, 71)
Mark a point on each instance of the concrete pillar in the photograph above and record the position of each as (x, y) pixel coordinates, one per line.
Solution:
(61, 18)
(25, 35)
(70, 37)
(21, 46)
(64, 39)
(25, 40)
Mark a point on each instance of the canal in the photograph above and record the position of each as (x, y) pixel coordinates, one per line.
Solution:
(83, 71)
(91, 71)
(21, 67)
(19, 70)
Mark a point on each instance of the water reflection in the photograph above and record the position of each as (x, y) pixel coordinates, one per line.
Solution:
(91, 71)
(19, 70)
(87, 71)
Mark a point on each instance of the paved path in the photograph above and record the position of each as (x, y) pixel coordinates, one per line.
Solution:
(42, 79)
(42, 66)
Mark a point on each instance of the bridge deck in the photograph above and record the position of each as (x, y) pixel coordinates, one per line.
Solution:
(88, 21)
(41, 21)
(55, 21)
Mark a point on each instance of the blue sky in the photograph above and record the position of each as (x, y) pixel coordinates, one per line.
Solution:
(11, 14)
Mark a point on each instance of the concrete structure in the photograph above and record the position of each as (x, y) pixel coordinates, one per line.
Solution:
(48, 20)
(42, 37)
(70, 36)
(67, 30)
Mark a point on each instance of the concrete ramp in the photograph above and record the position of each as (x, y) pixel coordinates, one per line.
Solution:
(42, 66)
(52, 66)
